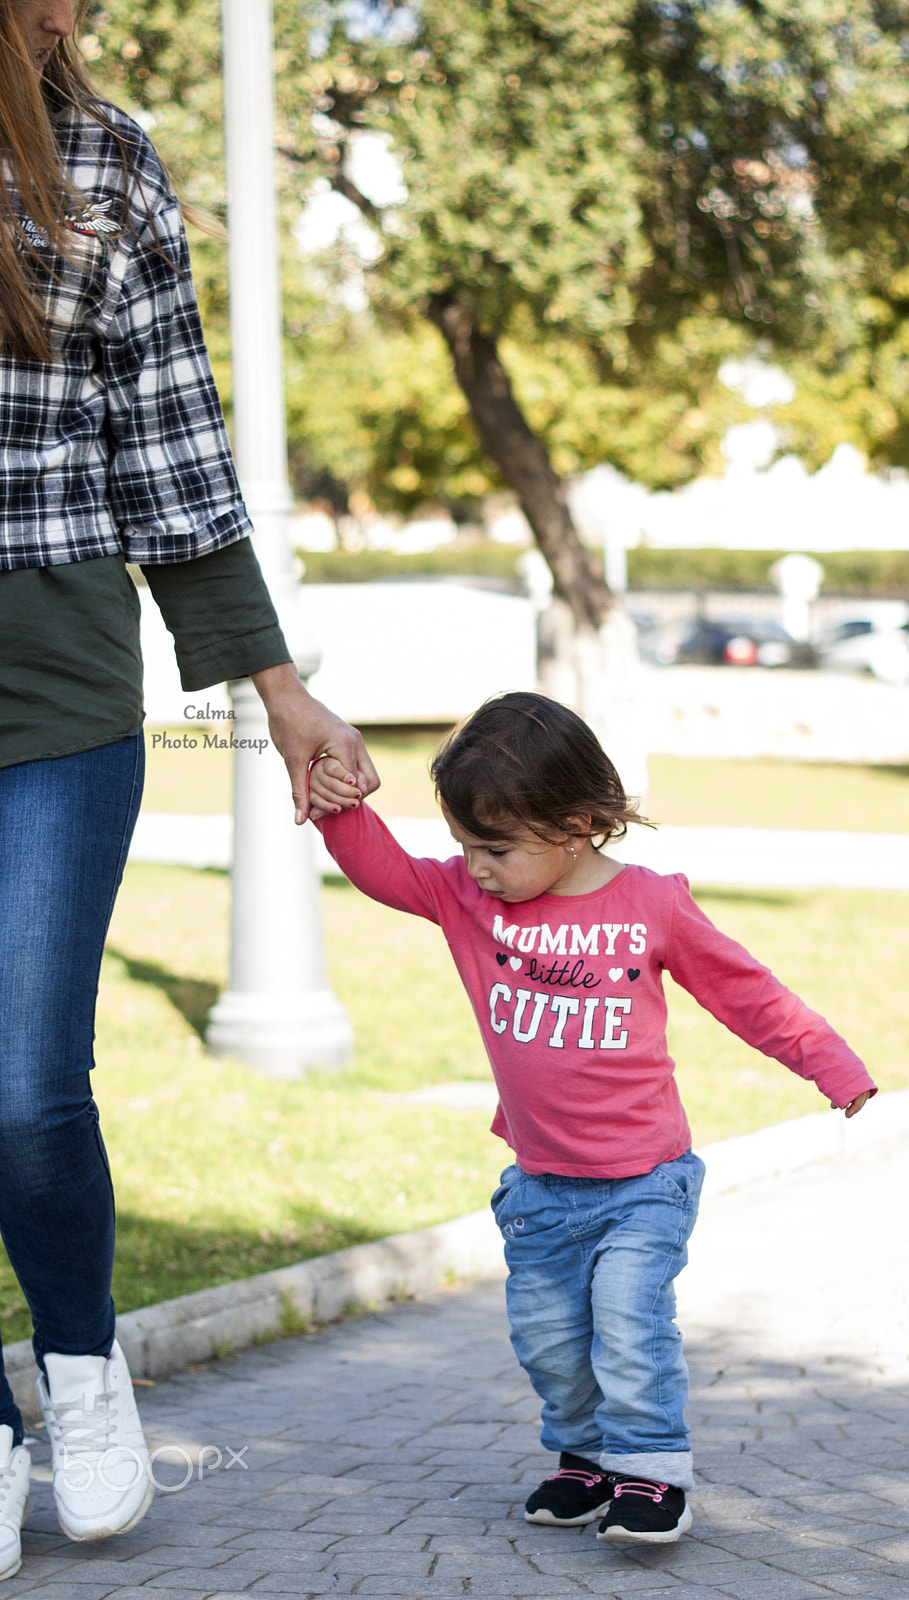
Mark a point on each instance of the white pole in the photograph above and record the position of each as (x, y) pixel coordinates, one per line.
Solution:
(278, 1014)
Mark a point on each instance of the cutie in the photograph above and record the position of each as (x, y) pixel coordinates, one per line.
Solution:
(562, 951)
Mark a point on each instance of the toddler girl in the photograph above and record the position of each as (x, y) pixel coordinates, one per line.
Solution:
(562, 952)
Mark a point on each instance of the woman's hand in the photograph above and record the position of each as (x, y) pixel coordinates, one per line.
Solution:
(302, 729)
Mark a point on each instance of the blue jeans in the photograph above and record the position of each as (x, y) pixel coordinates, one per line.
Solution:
(65, 827)
(591, 1304)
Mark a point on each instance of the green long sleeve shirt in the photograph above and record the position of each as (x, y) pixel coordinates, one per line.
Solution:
(70, 658)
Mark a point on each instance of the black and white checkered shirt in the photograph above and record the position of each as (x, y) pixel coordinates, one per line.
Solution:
(118, 445)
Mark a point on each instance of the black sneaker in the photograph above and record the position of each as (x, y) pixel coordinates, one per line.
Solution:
(579, 1492)
(643, 1511)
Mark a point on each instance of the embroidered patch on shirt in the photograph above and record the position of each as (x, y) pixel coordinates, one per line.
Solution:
(36, 236)
(93, 221)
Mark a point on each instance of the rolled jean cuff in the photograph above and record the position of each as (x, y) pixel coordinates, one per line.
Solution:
(673, 1467)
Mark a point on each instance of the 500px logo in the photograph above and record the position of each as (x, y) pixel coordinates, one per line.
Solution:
(79, 1475)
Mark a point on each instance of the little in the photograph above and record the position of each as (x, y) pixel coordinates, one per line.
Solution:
(562, 952)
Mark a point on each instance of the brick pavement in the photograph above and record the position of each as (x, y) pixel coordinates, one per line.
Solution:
(389, 1455)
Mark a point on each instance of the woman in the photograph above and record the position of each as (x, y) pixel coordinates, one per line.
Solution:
(112, 448)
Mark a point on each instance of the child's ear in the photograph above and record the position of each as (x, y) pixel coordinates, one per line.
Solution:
(578, 827)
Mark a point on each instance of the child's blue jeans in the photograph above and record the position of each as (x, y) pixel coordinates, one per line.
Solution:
(591, 1304)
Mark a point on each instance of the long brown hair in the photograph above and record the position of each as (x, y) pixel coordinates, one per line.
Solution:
(32, 178)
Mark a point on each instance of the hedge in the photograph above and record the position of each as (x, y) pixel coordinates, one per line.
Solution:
(869, 572)
(372, 566)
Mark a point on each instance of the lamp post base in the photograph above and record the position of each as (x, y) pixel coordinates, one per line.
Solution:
(278, 1014)
(281, 1038)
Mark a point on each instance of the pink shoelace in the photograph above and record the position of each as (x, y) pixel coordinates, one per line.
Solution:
(653, 1491)
(588, 1478)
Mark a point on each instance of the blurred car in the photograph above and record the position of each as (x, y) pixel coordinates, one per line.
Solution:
(649, 632)
(742, 642)
(859, 646)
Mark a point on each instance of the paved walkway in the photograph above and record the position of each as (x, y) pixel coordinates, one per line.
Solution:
(389, 1455)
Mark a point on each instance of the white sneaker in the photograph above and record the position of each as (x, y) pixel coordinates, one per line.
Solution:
(15, 1506)
(102, 1483)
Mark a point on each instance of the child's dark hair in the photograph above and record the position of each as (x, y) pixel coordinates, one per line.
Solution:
(524, 760)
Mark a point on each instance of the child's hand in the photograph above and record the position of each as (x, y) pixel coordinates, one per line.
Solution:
(330, 791)
(855, 1106)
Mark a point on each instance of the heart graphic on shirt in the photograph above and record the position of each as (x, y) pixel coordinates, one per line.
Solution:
(615, 973)
(501, 957)
(633, 972)
(515, 963)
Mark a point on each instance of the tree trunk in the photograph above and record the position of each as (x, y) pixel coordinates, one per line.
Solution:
(588, 646)
(523, 462)
(588, 654)
(598, 674)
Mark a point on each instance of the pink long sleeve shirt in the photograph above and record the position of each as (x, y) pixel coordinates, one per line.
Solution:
(568, 994)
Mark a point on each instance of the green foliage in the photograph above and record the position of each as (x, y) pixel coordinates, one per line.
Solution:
(638, 189)
(660, 426)
(372, 566)
(292, 1321)
(853, 382)
(624, 191)
(870, 572)
(873, 572)
(856, 572)
(368, 407)
(854, 389)
(746, 570)
(376, 407)
(523, 162)
(555, 155)
(161, 61)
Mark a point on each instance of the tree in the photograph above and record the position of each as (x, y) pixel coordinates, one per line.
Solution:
(625, 189)
(852, 386)
(369, 408)
(649, 184)
(371, 405)
(852, 382)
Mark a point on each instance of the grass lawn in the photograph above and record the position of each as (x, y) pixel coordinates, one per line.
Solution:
(220, 1173)
(778, 794)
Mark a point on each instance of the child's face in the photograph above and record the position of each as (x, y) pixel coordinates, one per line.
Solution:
(520, 866)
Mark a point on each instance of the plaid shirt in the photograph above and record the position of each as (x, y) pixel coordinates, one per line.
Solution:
(118, 445)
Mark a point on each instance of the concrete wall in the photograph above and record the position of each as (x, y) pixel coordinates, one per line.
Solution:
(391, 652)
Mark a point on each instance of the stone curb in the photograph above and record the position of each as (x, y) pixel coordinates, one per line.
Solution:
(176, 1334)
(788, 1146)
